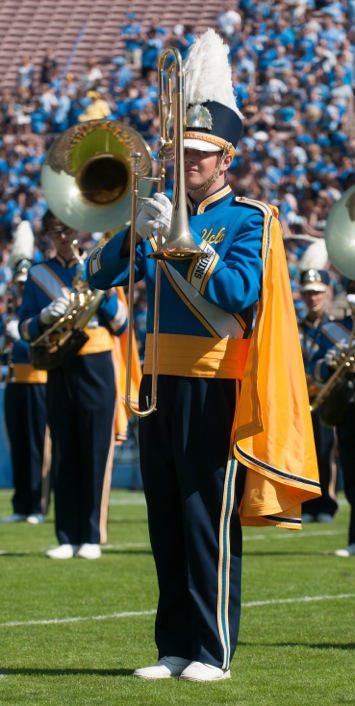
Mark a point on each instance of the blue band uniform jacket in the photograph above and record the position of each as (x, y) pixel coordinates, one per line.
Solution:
(208, 328)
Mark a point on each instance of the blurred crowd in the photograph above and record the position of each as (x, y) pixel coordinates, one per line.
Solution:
(293, 72)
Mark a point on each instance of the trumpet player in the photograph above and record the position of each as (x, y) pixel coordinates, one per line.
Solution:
(336, 341)
(81, 395)
(188, 444)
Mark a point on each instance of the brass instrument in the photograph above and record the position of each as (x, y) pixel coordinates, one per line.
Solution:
(66, 336)
(346, 366)
(340, 242)
(340, 234)
(86, 181)
(179, 243)
(86, 177)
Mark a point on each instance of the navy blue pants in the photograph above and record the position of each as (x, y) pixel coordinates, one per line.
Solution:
(346, 444)
(324, 442)
(193, 518)
(81, 403)
(25, 417)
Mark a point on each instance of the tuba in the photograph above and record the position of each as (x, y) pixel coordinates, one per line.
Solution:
(339, 391)
(86, 180)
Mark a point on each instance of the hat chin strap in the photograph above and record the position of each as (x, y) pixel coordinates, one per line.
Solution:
(215, 174)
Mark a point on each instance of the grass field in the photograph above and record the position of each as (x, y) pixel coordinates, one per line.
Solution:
(72, 632)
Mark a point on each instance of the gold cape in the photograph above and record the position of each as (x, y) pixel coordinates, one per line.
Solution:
(274, 435)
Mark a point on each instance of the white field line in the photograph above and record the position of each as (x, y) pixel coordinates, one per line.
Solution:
(143, 613)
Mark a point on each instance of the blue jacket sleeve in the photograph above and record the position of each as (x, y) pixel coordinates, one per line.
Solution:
(29, 313)
(106, 268)
(317, 368)
(114, 314)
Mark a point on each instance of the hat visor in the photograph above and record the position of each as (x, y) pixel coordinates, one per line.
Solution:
(314, 287)
(20, 278)
(201, 145)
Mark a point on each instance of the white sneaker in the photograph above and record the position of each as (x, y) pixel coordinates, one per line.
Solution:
(64, 551)
(15, 517)
(35, 519)
(89, 551)
(164, 669)
(350, 551)
(198, 671)
(325, 517)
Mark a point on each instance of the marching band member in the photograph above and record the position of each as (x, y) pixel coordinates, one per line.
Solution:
(81, 398)
(224, 393)
(25, 402)
(315, 291)
(336, 338)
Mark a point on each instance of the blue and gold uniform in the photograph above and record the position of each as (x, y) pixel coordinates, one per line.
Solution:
(189, 473)
(81, 405)
(324, 436)
(336, 335)
(218, 348)
(26, 423)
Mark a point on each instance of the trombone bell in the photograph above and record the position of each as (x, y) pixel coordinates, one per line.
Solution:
(86, 177)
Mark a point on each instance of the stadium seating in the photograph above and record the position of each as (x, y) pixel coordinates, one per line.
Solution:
(77, 29)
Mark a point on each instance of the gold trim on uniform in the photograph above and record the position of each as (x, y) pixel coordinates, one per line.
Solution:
(100, 340)
(197, 356)
(212, 139)
(25, 372)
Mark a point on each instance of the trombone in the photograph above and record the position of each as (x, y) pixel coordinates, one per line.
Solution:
(179, 243)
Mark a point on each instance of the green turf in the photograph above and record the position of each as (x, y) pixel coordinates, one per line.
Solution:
(100, 619)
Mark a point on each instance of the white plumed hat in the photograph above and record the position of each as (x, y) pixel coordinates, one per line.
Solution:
(213, 120)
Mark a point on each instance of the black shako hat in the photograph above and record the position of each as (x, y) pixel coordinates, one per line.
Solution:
(213, 124)
(213, 119)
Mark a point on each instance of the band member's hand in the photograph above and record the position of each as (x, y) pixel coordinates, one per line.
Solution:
(11, 330)
(155, 215)
(332, 358)
(54, 311)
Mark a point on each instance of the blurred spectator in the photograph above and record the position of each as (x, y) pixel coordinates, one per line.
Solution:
(48, 99)
(120, 76)
(5, 275)
(48, 66)
(25, 73)
(39, 118)
(62, 111)
(228, 20)
(132, 34)
(182, 37)
(153, 45)
(92, 75)
(96, 109)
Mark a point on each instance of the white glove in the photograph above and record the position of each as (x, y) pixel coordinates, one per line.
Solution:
(54, 310)
(155, 215)
(12, 331)
(332, 357)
